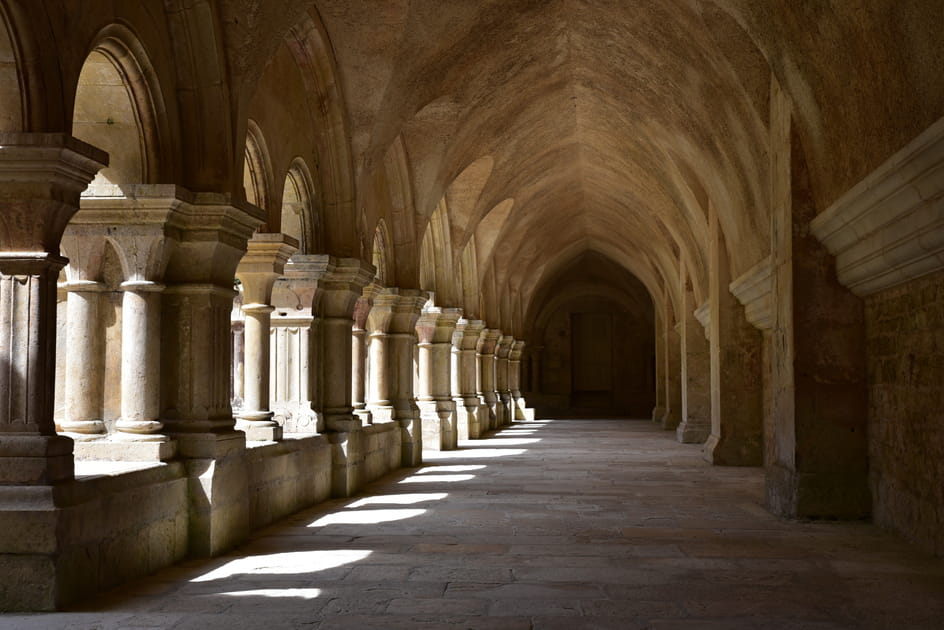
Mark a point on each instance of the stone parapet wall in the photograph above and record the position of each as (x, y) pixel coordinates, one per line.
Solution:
(905, 326)
(287, 476)
(381, 448)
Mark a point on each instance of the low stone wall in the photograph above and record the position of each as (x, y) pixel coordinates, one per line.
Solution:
(905, 327)
(119, 526)
(380, 445)
(287, 476)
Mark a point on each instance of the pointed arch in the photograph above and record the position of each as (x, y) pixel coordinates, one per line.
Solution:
(436, 258)
(382, 255)
(468, 281)
(301, 211)
(257, 168)
(119, 107)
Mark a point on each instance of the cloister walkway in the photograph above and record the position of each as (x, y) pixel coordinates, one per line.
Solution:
(550, 524)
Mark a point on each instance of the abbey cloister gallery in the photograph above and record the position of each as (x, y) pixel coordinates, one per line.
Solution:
(257, 254)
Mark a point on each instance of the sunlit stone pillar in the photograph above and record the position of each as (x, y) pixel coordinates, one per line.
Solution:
(359, 353)
(141, 228)
(379, 397)
(85, 343)
(485, 362)
(736, 353)
(257, 271)
(406, 312)
(465, 377)
(502, 386)
(519, 407)
(295, 352)
(41, 177)
(342, 284)
(212, 231)
(434, 330)
(696, 395)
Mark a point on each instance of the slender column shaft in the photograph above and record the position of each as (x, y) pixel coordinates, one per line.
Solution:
(358, 368)
(140, 359)
(256, 400)
(84, 386)
(379, 378)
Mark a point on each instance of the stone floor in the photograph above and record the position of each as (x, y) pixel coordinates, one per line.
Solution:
(550, 524)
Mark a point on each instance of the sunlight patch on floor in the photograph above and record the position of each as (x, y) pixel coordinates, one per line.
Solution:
(400, 499)
(473, 453)
(367, 517)
(300, 593)
(513, 441)
(300, 562)
(458, 468)
(437, 478)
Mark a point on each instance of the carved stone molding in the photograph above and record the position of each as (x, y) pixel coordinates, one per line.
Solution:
(753, 290)
(889, 228)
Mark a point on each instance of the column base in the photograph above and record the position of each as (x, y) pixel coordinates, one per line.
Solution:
(692, 432)
(467, 418)
(365, 415)
(411, 440)
(126, 448)
(217, 481)
(726, 451)
(658, 413)
(260, 431)
(346, 459)
(440, 430)
(506, 404)
(670, 420)
(382, 414)
(81, 430)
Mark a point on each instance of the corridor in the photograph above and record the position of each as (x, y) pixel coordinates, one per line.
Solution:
(572, 524)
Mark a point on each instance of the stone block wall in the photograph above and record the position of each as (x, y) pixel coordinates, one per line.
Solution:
(286, 477)
(905, 326)
(381, 449)
(120, 527)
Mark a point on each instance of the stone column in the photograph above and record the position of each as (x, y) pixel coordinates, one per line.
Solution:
(379, 397)
(258, 270)
(485, 362)
(696, 395)
(85, 343)
(295, 355)
(736, 354)
(502, 386)
(434, 330)
(41, 177)
(342, 284)
(465, 377)
(818, 379)
(211, 234)
(519, 407)
(402, 343)
(359, 353)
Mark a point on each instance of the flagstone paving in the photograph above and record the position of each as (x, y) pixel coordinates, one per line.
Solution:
(571, 524)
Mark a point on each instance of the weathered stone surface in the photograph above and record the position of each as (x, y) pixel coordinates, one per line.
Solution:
(905, 327)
